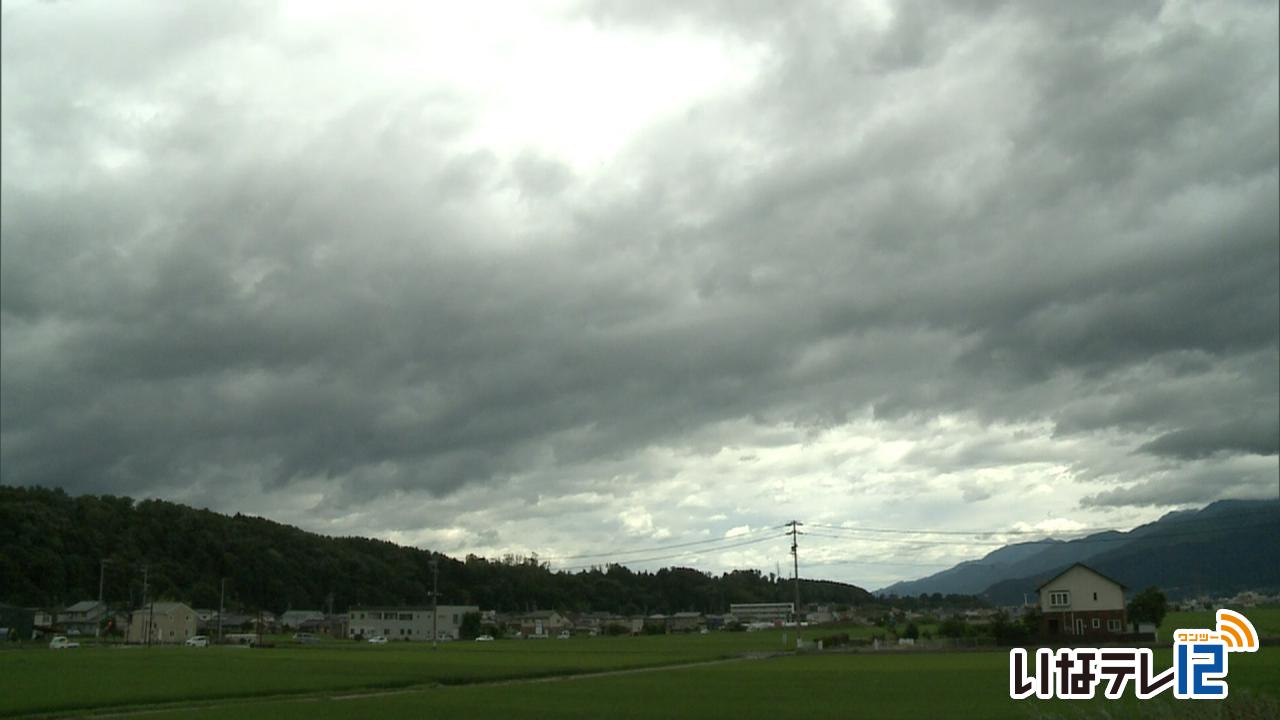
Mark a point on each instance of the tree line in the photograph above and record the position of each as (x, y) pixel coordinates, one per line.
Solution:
(52, 545)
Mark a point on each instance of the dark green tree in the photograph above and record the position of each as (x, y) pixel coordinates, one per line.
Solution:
(470, 627)
(1148, 606)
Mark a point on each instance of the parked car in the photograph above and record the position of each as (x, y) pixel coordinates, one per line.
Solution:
(485, 638)
(306, 638)
(378, 640)
(564, 635)
(60, 642)
(198, 641)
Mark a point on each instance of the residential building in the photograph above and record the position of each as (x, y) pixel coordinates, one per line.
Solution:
(335, 626)
(1081, 602)
(83, 618)
(407, 623)
(539, 623)
(818, 614)
(293, 619)
(656, 621)
(44, 620)
(685, 622)
(776, 613)
(162, 622)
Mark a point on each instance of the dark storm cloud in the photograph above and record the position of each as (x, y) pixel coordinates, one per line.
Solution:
(1028, 213)
(1259, 435)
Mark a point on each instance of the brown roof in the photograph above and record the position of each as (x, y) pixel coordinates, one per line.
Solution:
(1086, 567)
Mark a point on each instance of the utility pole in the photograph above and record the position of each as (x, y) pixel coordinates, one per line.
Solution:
(145, 604)
(222, 608)
(795, 557)
(435, 598)
(102, 576)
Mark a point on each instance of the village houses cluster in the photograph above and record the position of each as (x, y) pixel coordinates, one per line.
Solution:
(1078, 603)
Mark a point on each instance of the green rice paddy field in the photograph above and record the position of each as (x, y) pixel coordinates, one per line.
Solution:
(643, 677)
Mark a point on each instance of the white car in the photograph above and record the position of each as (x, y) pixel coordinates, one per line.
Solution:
(198, 641)
(60, 642)
(564, 635)
(485, 638)
(378, 640)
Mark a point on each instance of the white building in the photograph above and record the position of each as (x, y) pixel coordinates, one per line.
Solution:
(748, 613)
(162, 622)
(407, 623)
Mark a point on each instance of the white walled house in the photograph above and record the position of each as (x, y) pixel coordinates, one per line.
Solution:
(1081, 602)
(407, 623)
(162, 622)
(83, 618)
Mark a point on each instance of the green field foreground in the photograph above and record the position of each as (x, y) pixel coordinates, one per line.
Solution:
(864, 685)
(1266, 620)
(38, 680)
(463, 678)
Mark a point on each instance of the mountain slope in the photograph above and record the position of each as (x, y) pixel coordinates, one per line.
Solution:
(1227, 538)
(1221, 551)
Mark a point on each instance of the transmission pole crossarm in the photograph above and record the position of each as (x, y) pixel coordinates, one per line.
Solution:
(795, 558)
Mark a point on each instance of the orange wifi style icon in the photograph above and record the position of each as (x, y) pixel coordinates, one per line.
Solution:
(1237, 632)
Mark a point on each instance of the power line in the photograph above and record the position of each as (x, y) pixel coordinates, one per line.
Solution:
(682, 554)
(902, 531)
(656, 548)
(929, 543)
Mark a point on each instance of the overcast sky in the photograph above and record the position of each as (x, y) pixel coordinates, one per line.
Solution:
(575, 278)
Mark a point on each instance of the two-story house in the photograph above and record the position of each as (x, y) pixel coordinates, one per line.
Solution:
(1081, 602)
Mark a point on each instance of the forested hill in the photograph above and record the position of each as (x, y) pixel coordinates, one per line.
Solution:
(51, 544)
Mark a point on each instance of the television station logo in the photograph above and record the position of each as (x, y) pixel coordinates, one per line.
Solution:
(1199, 670)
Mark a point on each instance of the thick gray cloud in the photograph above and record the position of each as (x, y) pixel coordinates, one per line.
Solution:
(242, 254)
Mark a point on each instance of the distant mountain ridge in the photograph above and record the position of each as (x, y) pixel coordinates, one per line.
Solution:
(1226, 547)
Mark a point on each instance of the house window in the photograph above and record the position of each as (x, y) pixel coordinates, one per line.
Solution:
(1097, 623)
(1113, 625)
(1095, 597)
(406, 616)
(1060, 598)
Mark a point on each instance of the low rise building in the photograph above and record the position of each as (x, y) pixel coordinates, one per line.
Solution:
(685, 622)
(83, 618)
(748, 613)
(293, 619)
(538, 623)
(163, 623)
(407, 623)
